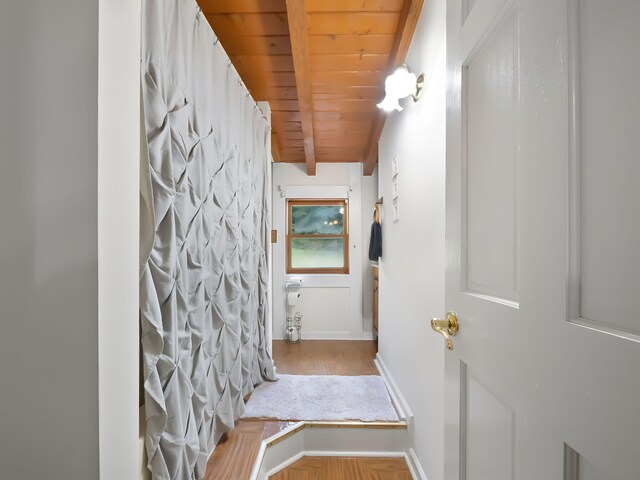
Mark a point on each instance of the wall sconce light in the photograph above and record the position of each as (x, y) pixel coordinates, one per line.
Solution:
(400, 84)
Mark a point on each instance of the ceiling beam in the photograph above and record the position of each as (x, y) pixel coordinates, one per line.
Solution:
(297, 18)
(404, 33)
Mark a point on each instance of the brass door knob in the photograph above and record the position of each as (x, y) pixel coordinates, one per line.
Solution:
(447, 327)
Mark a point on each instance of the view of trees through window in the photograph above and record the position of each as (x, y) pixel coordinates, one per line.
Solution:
(317, 236)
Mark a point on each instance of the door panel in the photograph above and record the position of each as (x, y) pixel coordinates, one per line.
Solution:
(578, 468)
(586, 471)
(485, 417)
(543, 265)
(603, 323)
(607, 123)
(489, 116)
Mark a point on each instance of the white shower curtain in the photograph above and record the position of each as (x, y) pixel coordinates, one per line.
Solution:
(203, 288)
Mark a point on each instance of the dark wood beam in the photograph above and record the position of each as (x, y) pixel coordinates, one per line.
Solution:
(297, 18)
(406, 27)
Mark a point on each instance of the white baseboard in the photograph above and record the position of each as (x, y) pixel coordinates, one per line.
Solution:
(257, 462)
(331, 336)
(285, 464)
(323, 453)
(321, 440)
(417, 473)
(414, 465)
(342, 453)
(396, 395)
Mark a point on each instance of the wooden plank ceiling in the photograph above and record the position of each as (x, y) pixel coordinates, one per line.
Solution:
(321, 65)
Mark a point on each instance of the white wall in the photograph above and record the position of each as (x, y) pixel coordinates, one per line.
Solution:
(369, 196)
(333, 306)
(412, 266)
(266, 110)
(50, 281)
(49, 240)
(119, 136)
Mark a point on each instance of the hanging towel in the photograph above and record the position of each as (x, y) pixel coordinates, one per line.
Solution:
(375, 243)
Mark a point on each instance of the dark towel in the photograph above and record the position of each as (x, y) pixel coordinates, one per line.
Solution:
(375, 243)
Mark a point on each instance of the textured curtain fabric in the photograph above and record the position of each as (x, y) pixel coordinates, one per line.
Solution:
(203, 287)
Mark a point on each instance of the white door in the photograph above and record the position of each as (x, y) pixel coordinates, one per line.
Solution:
(543, 240)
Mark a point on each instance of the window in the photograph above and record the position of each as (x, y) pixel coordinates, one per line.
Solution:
(317, 236)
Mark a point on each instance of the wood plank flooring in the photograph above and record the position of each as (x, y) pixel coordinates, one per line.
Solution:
(233, 457)
(335, 468)
(234, 454)
(325, 357)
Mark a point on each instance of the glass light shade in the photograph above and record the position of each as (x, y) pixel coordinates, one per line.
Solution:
(390, 103)
(401, 83)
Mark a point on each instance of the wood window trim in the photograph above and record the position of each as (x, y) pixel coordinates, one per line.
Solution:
(293, 202)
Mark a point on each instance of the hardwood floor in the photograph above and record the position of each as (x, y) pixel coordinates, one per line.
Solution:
(234, 454)
(361, 468)
(325, 357)
(233, 457)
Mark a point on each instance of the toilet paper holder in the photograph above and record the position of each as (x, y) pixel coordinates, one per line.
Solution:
(292, 298)
(293, 322)
(294, 328)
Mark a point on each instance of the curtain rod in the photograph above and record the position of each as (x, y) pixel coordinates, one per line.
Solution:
(230, 64)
